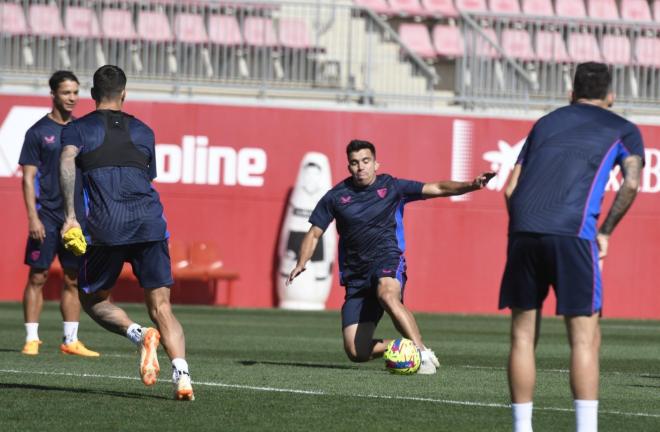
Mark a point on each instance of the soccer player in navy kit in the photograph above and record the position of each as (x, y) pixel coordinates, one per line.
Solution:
(124, 221)
(40, 160)
(554, 197)
(369, 213)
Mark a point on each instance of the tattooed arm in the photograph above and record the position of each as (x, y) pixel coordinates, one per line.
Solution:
(67, 184)
(632, 169)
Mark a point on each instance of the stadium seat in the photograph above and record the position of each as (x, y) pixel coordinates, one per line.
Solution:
(504, 6)
(416, 37)
(441, 8)
(189, 28)
(179, 255)
(117, 24)
(603, 9)
(570, 8)
(537, 7)
(45, 20)
(483, 47)
(635, 10)
(616, 49)
(81, 22)
(647, 51)
(550, 47)
(656, 10)
(583, 47)
(259, 32)
(294, 34)
(224, 30)
(473, 6)
(448, 41)
(154, 26)
(378, 6)
(12, 19)
(518, 44)
(407, 7)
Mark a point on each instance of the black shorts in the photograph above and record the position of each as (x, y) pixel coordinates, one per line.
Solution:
(101, 265)
(361, 301)
(40, 255)
(569, 264)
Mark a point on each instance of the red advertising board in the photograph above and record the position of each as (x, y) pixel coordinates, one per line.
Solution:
(225, 173)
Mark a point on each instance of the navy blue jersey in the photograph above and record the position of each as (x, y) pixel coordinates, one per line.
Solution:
(369, 221)
(42, 148)
(566, 163)
(121, 206)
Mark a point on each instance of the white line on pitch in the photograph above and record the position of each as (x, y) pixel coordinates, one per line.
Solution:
(324, 393)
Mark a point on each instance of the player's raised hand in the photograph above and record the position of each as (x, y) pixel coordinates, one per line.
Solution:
(482, 179)
(36, 229)
(294, 274)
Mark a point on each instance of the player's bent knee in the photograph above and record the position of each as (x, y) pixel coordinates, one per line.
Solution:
(355, 356)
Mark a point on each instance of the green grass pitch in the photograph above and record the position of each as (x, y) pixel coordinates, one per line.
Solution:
(271, 370)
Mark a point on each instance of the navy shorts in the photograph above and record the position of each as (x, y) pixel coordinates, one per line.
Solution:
(101, 265)
(40, 255)
(569, 264)
(361, 301)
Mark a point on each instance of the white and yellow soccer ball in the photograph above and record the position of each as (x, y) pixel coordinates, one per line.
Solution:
(402, 357)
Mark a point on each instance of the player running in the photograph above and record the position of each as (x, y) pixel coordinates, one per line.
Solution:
(116, 156)
(40, 160)
(369, 213)
(554, 198)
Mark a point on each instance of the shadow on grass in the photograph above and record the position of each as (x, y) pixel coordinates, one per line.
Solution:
(650, 376)
(297, 364)
(10, 350)
(78, 391)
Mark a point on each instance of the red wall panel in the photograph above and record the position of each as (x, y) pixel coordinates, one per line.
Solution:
(456, 249)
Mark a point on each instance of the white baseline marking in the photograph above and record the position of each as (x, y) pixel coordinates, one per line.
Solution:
(324, 393)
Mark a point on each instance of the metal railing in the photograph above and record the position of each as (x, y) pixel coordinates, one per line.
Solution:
(495, 74)
(314, 49)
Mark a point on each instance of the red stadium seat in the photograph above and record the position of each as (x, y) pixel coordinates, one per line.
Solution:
(12, 19)
(583, 47)
(416, 37)
(81, 22)
(518, 44)
(154, 26)
(550, 47)
(443, 8)
(117, 24)
(190, 28)
(448, 41)
(378, 6)
(294, 33)
(656, 10)
(224, 30)
(635, 10)
(504, 6)
(537, 7)
(647, 51)
(603, 9)
(472, 5)
(407, 7)
(570, 8)
(616, 49)
(485, 48)
(259, 32)
(45, 20)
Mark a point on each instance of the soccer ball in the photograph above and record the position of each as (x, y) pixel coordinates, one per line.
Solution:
(402, 357)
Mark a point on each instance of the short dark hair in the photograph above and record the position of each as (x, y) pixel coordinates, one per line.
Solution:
(109, 82)
(357, 145)
(592, 81)
(60, 76)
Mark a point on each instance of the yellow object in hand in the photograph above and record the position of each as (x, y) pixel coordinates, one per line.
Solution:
(74, 241)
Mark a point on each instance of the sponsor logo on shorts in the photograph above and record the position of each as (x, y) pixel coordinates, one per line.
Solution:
(34, 255)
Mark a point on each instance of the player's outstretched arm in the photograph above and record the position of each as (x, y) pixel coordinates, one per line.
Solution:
(307, 248)
(449, 187)
(632, 171)
(67, 184)
(36, 228)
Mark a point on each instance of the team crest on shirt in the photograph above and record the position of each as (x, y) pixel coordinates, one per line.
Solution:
(382, 192)
(345, 199)
(49, 139)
